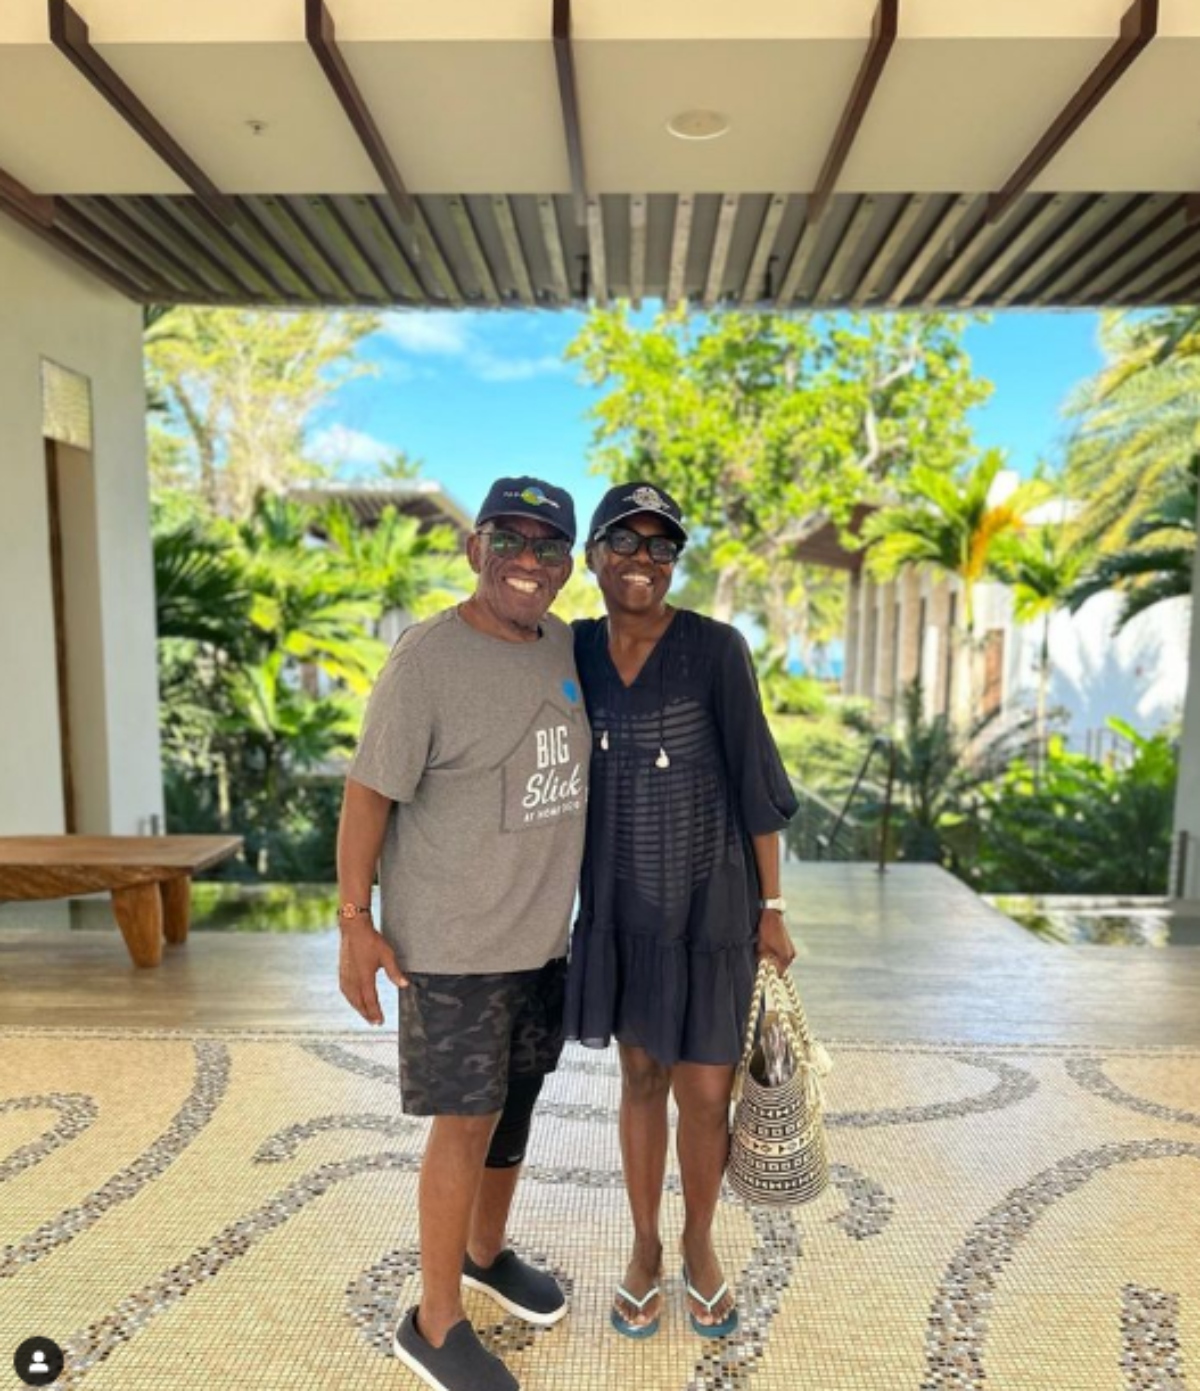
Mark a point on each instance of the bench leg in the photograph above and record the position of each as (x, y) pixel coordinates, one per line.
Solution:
(177, 908)
(139, 915)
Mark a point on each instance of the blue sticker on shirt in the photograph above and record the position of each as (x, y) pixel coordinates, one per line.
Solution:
(570, 690)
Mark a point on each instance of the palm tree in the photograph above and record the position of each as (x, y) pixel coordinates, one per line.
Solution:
(949, 524)
(1042, 567)
(1137, 423)
(1150, 574)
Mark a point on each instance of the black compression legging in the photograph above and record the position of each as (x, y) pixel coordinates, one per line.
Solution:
(511, 1136)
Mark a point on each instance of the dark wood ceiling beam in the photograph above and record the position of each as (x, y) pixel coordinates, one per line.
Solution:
(239, 258)
(883, 38)
(1193, 207)
(321, 34)
(35, 206)
(58, 239)
(69, 34)
(1138, 28)
(207, 276)
(1165, 288)
(568, 92)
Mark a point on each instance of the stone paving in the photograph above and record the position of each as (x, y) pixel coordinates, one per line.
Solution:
(231, 1202)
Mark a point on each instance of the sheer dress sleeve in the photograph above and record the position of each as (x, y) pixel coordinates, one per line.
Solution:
(764, 792)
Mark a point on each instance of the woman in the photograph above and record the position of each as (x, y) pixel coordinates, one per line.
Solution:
(680, 887)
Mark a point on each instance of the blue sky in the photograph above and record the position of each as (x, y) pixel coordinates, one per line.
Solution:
(479, 395)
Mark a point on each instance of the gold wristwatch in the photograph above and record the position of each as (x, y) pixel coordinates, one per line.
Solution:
(347, 912)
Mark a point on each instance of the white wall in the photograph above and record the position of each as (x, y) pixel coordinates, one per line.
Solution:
(49, 308)
(1138, 675)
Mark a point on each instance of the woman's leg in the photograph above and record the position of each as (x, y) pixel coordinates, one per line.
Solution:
(702, 1094)
(645, 1086)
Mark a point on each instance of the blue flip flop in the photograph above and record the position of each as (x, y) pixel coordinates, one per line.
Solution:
(636, 1330)
(728, 1325)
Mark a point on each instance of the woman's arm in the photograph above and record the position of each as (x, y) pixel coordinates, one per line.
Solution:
(773, 938)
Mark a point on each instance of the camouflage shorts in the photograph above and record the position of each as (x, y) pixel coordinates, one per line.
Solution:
(463, 1037)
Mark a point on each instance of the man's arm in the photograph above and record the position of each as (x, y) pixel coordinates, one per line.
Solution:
(363, 950)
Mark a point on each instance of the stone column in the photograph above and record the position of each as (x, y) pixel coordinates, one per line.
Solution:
(868, 639)
(1185, 859)
(908, 660)
(885, 649)
(850, 635)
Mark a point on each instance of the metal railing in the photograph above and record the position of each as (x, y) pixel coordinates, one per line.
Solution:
(826, 843)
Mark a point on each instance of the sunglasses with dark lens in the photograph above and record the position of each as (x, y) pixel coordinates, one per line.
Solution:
(622, 541)
(547, 550)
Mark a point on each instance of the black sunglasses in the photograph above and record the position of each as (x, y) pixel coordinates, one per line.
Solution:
(547, 550)
(623, 541)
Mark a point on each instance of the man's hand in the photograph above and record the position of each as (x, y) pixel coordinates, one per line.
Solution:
(773, 939)
(364, 953)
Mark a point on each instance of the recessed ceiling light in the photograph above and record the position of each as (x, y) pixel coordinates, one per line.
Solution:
(698, 125)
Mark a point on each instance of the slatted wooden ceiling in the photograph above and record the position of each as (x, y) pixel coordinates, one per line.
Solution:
(1010, 247)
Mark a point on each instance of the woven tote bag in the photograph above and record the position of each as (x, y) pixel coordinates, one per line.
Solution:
(777, 1153)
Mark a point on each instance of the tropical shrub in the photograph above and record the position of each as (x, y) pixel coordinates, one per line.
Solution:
(1082, 827)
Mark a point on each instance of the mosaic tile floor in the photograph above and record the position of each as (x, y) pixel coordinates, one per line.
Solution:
(232, 1208)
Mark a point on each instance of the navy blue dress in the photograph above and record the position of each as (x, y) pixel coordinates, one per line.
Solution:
(663, 954)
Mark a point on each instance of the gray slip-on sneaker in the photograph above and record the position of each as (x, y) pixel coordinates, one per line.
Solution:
(462, 1363)
(518, 1287)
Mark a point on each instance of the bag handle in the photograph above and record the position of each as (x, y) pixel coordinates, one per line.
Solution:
(772, 986)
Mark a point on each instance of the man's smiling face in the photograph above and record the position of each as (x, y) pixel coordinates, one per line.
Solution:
(516, 591)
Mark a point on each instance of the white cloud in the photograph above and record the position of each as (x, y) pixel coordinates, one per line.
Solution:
(429, 335)
(491, 368)
(339, 445)
(484, 347)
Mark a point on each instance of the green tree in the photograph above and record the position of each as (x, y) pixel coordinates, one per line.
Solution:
(949, 524)
(1151, 573)
(761, 425)
(266, 653)
(1136, 423)
(1042, 565)
(235, 389)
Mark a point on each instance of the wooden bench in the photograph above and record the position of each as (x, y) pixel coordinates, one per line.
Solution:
(149, 877)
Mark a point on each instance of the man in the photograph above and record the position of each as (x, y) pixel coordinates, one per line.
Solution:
(469, 789)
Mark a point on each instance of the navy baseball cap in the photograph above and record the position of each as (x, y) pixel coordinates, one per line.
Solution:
(627, 500)
(530, 497)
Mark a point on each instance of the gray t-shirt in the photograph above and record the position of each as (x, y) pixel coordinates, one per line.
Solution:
(484, 747)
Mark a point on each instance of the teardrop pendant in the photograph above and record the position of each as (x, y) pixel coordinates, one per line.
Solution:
(662, 761)
(604, 740)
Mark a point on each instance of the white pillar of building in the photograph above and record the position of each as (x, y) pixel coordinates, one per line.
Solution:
(908, 659)
(1185, 877)
(868, 638)
(850, 635)
(885, 649)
